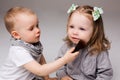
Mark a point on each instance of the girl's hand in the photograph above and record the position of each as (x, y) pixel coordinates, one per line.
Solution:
(66, 78)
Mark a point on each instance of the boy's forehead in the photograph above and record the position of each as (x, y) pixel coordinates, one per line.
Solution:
(23, 15)
(24, 18)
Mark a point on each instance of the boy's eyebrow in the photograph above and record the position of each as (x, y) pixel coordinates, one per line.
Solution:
(38, 23)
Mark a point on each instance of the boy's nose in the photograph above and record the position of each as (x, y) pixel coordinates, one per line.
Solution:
(38, 30)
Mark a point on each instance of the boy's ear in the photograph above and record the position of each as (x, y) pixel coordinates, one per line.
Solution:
(15, 35)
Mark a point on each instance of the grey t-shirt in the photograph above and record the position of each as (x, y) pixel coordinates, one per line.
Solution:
(86, 66)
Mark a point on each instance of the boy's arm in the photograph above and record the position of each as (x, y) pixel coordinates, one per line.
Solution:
(43, 61)
(66, 78)
(45, 69)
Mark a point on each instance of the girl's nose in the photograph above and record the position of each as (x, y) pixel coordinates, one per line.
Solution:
(75, 31)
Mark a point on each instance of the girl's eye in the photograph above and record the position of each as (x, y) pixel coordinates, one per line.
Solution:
(82, 29)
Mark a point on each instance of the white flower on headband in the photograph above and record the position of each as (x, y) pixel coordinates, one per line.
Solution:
(72, 8)
(96, 13)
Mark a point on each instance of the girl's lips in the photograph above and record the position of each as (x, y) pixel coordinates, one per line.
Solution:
(75, 38)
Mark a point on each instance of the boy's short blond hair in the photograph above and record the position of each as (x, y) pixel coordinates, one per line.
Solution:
(10, 17)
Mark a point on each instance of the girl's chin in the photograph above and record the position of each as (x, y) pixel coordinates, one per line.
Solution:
(75, 42)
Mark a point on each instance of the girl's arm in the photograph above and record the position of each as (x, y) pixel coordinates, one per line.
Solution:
(104, 68)
(45, 69)
(62, 71)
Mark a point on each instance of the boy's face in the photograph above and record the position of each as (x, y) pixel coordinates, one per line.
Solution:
(26, 28)
(79, 28)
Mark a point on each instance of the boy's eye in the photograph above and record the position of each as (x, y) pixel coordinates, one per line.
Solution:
(71, 26)
(37, 25)
(31, 28)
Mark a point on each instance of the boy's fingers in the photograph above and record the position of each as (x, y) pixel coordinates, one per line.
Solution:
(71, 50)
(76, 52)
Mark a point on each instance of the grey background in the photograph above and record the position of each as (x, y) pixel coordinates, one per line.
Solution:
(53, 18)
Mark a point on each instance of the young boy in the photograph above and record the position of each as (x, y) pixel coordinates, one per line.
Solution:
(26, 50)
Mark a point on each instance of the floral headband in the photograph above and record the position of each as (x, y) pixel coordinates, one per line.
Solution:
(72, 8)
(96, 13)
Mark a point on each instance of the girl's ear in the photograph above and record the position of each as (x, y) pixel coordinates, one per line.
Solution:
(15, 35)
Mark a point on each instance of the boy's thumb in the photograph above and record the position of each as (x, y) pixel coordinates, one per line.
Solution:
(71, 50)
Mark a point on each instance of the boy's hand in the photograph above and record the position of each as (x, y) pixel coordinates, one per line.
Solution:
(48, 78)
(66, 78)
(69, 56)
(55, 78)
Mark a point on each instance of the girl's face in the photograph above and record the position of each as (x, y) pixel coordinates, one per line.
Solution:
(79, 28)
(27, 28)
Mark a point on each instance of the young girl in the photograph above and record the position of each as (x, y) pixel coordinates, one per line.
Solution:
(26, 50)
(85, 24)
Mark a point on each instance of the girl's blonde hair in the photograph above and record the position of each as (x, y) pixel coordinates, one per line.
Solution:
(98, 41)
(10, 17)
